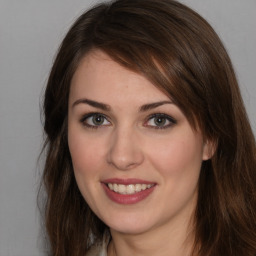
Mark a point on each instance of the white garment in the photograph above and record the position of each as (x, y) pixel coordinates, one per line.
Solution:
(99, 249)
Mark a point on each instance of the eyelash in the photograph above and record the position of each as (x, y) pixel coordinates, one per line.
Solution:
(87, 116)
(168, 118)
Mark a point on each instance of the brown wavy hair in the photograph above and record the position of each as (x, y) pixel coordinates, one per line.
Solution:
(179, 52)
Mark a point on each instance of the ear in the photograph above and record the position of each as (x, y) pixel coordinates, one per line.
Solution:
(209, 149)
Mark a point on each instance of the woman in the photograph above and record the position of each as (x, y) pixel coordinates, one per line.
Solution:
(149, 149)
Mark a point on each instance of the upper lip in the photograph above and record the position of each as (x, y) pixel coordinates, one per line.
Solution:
(126, 181)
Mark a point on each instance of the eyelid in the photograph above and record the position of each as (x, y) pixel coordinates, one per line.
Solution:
(169, 118)
(91, 114)
(161, 115)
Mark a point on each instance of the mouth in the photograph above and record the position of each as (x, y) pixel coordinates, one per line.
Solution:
(129, 189)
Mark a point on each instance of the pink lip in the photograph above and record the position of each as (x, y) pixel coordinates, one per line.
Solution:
(127, 181)
(127, 199)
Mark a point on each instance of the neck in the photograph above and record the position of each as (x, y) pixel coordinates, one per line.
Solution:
(176, 241)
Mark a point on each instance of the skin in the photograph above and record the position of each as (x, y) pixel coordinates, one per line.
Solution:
(129, 144)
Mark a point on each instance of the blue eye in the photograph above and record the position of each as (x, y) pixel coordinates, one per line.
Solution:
(95, 120)
(160, 121)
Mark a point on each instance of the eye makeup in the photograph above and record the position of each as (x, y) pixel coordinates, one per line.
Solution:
(97, 120)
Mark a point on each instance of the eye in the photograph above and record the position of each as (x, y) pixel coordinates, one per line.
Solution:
(160, 121)
(95, 120)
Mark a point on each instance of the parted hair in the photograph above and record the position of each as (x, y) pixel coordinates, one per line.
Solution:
(179, 52)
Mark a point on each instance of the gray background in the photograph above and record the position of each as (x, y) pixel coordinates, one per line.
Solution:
(30, 32)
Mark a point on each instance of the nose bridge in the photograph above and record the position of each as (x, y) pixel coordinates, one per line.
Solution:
(124, 151)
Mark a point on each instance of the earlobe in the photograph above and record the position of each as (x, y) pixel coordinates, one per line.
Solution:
(209, 149)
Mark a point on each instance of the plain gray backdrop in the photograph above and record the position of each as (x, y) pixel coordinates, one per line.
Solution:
(30, 33)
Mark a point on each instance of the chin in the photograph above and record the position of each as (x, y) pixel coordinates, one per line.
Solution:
(129, 224)
(129, 230)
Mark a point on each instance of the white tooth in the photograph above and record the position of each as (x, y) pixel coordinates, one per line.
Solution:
(143, 186)
(122, 189)
(115, 187)
(138, 187)
(130, 189)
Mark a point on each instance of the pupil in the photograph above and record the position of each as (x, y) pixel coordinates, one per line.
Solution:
(97, 120)
(160, 121)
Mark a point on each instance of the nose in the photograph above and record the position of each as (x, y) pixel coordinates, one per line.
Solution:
(124, 152)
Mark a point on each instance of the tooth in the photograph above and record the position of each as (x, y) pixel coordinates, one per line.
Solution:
(143, 186)
(138, 187)
(130, 189)
(122, 189)
(115, 187)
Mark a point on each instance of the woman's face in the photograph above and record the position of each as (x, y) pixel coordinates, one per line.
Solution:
(136, 158)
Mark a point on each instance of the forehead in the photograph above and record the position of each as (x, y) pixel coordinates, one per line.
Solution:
(99, 76)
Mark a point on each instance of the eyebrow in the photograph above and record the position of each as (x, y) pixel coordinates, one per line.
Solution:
(150, 106)
(106, 107)
(92, 103)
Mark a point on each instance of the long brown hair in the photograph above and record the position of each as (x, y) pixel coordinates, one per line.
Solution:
(179, 52)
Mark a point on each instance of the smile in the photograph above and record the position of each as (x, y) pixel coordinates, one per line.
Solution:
(128, 189)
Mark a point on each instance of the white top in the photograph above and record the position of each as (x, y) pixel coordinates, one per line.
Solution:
(100, 249)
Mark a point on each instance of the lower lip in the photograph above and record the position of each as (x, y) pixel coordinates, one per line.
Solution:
(128, 199)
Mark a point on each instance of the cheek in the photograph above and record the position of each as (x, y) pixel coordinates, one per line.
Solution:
(178, 156)
(85, 155)
(86, 158)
